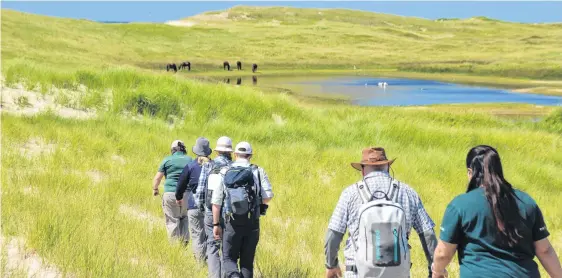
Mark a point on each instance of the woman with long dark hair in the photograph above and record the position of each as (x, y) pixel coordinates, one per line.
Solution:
(496, 229)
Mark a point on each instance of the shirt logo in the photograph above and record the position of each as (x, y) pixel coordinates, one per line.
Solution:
(442, 229)
(542, 228)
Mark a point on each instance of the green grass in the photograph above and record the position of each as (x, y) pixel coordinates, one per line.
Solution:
(78, 224)
(75, 222)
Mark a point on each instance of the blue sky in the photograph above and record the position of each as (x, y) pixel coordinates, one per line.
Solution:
(532, 11)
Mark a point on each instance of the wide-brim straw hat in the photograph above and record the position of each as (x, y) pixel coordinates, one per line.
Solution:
(374, 156)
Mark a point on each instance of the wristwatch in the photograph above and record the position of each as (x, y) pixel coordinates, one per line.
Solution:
(216, 224)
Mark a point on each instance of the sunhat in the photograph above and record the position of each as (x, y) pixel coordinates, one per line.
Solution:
(224, 144)
(201, 147)
(372, 156)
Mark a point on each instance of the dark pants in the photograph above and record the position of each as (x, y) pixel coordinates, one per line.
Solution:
(240, 239)
(213, 247)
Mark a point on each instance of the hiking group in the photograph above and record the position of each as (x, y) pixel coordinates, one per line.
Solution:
(217, 203)
(496, 229)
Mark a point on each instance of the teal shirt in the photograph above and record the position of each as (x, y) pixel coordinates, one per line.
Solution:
(172, 166)
(469, 223)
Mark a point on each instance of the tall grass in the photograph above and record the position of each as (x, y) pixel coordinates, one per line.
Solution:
(76, 221)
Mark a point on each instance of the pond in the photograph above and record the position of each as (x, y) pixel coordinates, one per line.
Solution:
(373, 91)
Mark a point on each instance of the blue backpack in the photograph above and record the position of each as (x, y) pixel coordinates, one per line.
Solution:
(244, 193)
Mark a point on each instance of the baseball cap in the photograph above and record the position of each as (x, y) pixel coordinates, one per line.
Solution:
(243, 148)
(176, 143)
(224, 144)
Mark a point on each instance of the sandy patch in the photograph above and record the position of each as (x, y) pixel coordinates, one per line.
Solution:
(141, 215)
(96, 176)
(278, 120)
(119, 159)
(27, 260)
(36, 147)
(22, 102)
(181, 23)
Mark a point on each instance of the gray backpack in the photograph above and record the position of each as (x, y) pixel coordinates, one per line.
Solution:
(381, 249)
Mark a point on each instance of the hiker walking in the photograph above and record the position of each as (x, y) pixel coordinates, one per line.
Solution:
(379, 213)
(498, 230)
(175, 214)
(243, 191)
(203, 196)
(187, 185)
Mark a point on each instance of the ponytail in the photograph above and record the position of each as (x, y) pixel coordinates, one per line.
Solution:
(487, 172)
(179, 148)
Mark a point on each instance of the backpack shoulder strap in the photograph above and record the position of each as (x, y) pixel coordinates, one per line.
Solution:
(364, 192)
(395, 185)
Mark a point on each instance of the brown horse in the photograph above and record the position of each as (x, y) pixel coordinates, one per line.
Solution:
(225, 65)
(171, 67)
(185, 65)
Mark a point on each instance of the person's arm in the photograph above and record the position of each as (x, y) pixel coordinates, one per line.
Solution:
(423, 225)
(442, 257)
(543, 249)
(216, 201)
(451, 233)
(156, 182)
(331, 247)
(336, 229)
(266, 188)
(182, 183)
(548, 258)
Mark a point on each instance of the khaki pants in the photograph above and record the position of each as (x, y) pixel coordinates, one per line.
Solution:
(176, 218)
(198, 236)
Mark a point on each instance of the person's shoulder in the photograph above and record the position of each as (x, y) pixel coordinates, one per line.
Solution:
(525, 198)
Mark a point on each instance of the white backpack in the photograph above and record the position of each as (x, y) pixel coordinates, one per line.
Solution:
(382, 247)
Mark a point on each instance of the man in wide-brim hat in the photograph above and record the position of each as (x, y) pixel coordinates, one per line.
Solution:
(374, 166)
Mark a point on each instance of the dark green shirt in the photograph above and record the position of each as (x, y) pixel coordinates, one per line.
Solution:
(172, 166)
(469, 222)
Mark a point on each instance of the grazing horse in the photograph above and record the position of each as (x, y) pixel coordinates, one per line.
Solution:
(226, 65)
(239, 65)
(254, 67)
(185, 65)
(171, 67)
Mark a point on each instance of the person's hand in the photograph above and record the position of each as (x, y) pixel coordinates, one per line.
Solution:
(333, 272)
(217, 232)
(155, 192)
(444, 274)
(179, 202)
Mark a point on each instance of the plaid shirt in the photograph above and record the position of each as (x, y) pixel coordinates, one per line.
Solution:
(205, 171)
(345, 215)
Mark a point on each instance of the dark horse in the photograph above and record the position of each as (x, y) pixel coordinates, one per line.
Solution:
(239, 65)
(226, 65)
(254, 67)
(185, 65)
(171, 67)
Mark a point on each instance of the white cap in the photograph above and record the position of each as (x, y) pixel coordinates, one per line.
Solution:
(176, 143)
(243, 148)
(224, 144)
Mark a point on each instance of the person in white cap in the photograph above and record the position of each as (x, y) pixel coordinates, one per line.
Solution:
(175, 214)
(203, 201)
(242, 195)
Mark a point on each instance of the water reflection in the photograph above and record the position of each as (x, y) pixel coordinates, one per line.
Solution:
(239, 80)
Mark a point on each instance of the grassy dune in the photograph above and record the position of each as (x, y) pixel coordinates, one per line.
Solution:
(78, 191)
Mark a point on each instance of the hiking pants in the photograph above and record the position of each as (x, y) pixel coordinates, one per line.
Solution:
(240, 240)
(176, 218)
(213, 247)
(198, 235)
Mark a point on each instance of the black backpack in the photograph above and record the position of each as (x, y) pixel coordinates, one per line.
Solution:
(244, 194)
